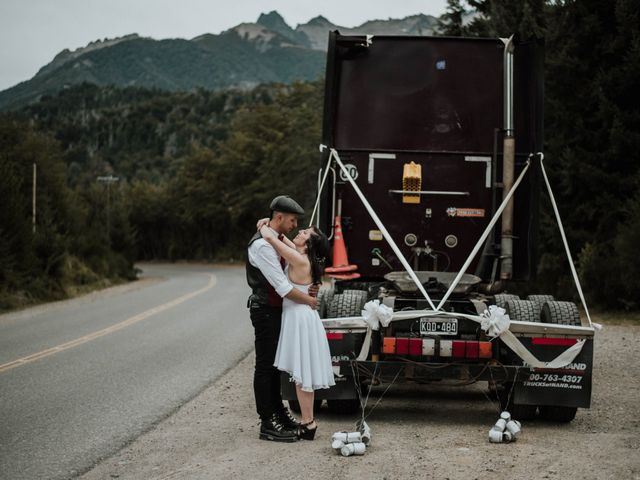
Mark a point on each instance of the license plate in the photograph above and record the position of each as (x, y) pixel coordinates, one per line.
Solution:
(439, 326)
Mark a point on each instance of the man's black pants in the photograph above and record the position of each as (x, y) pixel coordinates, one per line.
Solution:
(266, 378)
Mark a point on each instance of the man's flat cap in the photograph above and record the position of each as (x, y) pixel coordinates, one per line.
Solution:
(286, 204)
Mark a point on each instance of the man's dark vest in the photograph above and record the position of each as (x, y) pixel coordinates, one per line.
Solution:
(263, 292)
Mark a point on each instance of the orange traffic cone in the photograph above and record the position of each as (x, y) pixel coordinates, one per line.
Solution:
(341, 265)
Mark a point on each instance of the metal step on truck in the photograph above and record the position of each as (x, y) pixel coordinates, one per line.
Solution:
(433, 132)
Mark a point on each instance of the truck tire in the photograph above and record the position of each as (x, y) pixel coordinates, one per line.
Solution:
(350, 286)
(345, 305)
(501, 299)
(295, 405)
(557, 414)
(362, 294)
(325, 295)
(561, 313)
(541, 299)
(523, 310)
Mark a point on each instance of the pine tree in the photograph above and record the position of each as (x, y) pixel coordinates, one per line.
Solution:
(450, 23)
(592, 142)
(503, 18)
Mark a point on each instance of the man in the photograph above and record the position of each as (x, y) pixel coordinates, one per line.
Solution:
(268, 282)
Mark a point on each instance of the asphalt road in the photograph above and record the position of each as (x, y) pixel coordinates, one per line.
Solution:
(81, 379)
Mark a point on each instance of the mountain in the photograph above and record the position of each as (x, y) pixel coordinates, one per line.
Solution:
(316, 31)
(66, 55)
(274, 22)
(244, 56)
(317, 28)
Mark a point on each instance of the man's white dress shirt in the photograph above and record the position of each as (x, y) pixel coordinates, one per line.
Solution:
(264, 257)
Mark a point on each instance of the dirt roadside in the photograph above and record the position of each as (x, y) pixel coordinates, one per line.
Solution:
(438, 433)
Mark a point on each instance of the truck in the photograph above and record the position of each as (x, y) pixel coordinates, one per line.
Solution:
(434, 131)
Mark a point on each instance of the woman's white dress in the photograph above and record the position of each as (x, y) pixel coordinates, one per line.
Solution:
(303, 349)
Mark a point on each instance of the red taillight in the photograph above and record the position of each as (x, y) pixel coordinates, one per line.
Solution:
(402, 346)
(567, 342)
(472, 349)
(458, 348)
(415, 347)
(335, 335)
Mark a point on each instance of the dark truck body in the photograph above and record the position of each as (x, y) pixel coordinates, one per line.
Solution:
(438, 102)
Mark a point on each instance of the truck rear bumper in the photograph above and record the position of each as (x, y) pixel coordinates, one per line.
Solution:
(570, 387)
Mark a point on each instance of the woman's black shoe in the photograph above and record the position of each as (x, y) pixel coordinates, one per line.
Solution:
(306, 433)
(272, 429)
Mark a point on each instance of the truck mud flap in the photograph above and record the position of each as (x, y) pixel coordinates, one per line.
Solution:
(343, 345)
(565, 387)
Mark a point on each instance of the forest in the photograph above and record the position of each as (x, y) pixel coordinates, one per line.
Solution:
(195, 168)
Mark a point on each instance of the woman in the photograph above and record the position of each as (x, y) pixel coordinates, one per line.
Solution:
(303, 350)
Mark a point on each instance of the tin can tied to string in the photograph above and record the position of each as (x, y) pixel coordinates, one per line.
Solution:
(505, 429)
(352, 443)
(353, 449)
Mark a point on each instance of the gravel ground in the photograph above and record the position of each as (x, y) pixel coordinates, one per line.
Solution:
(417, 433)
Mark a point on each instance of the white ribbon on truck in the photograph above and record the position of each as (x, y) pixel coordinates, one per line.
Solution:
(494, 322)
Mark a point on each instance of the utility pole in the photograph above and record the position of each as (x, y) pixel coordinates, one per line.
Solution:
(33, 201)
(108, 180)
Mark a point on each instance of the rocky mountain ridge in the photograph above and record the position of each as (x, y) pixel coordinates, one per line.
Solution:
(268, 50)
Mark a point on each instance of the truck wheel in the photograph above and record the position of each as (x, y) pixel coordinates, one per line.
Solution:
(523, 310)
(357, 291)
(344, 406)
(362, 294)
(325, 295)
(541, 299)
(295, 405)
(558, 414)
(345, 305)
(561, 313)
(350, 286)
(501, 299)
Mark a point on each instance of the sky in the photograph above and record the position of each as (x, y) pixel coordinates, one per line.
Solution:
(32, 32)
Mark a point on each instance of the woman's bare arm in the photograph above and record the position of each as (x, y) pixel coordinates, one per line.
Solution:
(289, 253)
(288, 242)
(265, 221)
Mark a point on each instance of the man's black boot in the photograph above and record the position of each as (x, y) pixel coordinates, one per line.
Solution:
(272, 429)
(287, 420)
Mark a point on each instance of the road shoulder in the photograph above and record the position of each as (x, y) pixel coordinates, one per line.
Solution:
(439, 434)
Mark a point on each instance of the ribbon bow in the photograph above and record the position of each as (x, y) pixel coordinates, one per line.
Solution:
(376, 314)
(495, 321)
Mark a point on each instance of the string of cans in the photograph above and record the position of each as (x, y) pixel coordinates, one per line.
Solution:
(352, 443)
(505, 429)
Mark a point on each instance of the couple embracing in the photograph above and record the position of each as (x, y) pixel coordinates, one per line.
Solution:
(284, 276)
